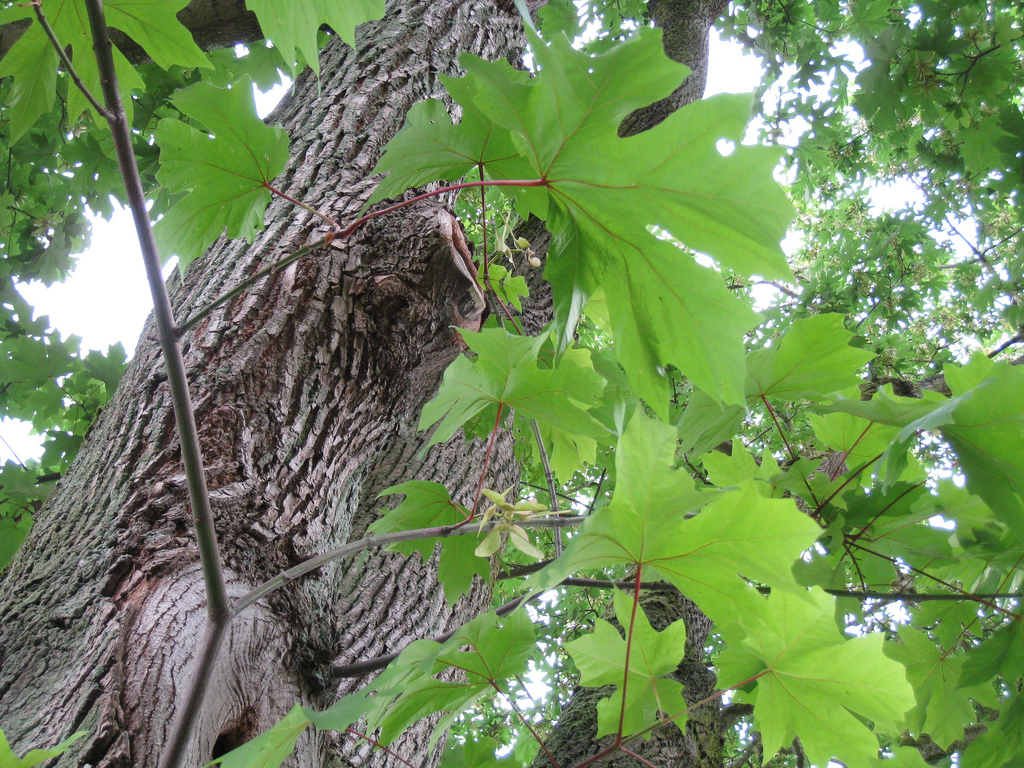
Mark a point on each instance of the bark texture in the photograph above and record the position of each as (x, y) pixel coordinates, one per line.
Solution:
(685, 25)
(307, 389)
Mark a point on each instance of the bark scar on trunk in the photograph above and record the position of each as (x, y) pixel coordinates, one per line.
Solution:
(472, 305)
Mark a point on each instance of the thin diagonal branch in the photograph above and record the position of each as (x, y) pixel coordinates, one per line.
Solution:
(218, 607)
(37, 6)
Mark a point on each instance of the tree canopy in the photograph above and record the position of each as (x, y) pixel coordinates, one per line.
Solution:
(825, 451)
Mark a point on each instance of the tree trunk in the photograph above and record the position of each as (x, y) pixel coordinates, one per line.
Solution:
(307, 391)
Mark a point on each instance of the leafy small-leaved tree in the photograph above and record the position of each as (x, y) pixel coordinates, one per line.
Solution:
(461, 381)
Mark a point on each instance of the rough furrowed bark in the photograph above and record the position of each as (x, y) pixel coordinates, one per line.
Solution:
(307, 390)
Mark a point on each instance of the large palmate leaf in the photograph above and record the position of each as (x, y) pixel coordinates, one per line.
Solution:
(429, 148)
(812, 682)
(150, 23)
(637, 665)
(293, 26)
(427, 505)
(602, 195)
(738, 532)
(506, 374)
(224, 174)
(943, 708)
(1002, 745)
(814, 357)
(983, 423)
(487, 655)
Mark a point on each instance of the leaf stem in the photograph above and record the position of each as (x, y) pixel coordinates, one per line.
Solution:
(342, 234)
(637, 757)
(311, 209)
(380, 746)
(487, 463)
(847, 481)
(347, 231)
(360, 668)
(937, 580)
(792, 453)
(512, 703)
(483, 222)
(629, 647)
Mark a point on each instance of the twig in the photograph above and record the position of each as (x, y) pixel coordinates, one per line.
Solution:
(780, 287)
(226, 297)
(37, 5)
(376, 743)
(12, 452)
(343, 234)
(1007, 344)
(551, 482)
(856, 594)
(383, 540)
(744, 757)
(311, 209)
(512, 703)
(351, 228)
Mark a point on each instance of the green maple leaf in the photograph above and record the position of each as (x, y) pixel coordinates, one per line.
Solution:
(811, 680)
(35, 756)
(270, 748)
(739, 466)
(862, 442)
(1002, 745)
(276, 744)
(32, 62)
(813, 358)
(150, 23)
(495, 653)
(426, 505)
(1001, 654)
(738, 532)
(224, 175)
(601, 659)
(706, 422)
(902, 757)
(943, 707)
(13, 532)
(430, 148)
(478, 752)
(601, 195)
(984, 424)
(293, 26)
(505, 374)
(604, 192)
